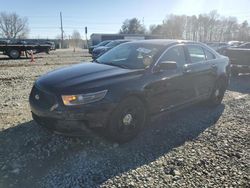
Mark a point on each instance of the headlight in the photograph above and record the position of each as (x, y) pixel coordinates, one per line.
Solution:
(70, 100)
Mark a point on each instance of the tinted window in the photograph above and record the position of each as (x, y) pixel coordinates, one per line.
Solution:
(209, 55)
(114, 43)
(196, 53)
(131, 55)
(103, 43)
(123, 53)
(175, 54)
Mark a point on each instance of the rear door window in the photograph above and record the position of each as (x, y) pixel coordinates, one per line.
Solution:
(175, 54)
(196, 53)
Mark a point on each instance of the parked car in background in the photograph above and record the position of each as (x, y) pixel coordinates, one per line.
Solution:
(244, 45)
(235, 43)
(102, 49)
(240, 60)
(103, 43)
(128, 84)
(218, 46)
(221, 47)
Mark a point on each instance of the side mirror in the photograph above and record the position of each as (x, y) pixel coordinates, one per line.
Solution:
(167, 65)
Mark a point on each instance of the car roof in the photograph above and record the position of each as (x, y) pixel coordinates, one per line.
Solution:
(163, 42)
(245, 43)
(120, 40)
(170, 42)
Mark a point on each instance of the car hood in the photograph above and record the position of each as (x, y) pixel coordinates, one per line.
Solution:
(83, 77)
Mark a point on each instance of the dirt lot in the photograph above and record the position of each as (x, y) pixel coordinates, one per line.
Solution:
(194, 147)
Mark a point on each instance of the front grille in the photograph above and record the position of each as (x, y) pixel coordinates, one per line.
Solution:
(41, 98)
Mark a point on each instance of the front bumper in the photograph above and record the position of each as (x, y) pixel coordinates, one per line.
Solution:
(72, 120)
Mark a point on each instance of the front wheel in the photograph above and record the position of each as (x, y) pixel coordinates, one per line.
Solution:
(14, 54)
(217, 93)
(127, 120)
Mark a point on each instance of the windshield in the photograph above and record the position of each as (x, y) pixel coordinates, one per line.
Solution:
(103, 43)
(112, 44)
(132, 55)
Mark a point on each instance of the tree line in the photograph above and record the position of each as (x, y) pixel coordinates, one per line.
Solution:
(204, 28)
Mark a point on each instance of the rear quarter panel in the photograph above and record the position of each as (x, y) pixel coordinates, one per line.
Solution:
(223, 67)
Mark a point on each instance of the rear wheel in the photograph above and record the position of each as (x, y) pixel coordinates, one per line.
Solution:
(14, 54)
(127, 120)
(218, 93)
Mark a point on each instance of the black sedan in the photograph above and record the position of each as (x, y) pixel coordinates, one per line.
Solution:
(126, 85)
(102, 49)
(103, 43)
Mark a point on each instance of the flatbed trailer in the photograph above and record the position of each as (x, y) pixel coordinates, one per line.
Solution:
(14, 51)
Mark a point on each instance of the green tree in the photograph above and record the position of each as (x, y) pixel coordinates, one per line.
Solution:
(76, 38)
(132, 26)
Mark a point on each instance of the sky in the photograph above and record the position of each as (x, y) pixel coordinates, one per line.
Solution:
(107, 16)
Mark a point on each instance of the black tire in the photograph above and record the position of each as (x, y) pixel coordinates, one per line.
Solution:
(14, 54)
(218, 93)
(127, 120)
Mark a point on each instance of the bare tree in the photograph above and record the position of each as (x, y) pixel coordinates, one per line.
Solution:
(76, 38)
(244, 31)
(13, 26)
(174, 26)
(205, 27)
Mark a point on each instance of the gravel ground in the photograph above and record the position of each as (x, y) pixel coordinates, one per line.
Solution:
(195, 147)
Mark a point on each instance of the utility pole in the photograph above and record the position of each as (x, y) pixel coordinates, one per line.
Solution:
(61, 30)
(86, 36)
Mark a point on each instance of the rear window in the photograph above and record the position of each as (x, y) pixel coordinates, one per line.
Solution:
(175, 54)
(209, 55)
(196, 53)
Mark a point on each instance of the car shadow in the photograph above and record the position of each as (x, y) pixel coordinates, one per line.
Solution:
(240, 83)
(32, 155)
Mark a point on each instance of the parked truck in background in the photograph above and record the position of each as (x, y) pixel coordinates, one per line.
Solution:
(14, 49)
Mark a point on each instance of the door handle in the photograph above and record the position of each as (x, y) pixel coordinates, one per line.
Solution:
(214, 66)
(187, 69)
